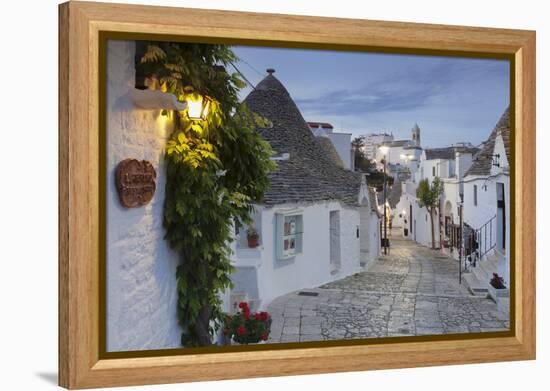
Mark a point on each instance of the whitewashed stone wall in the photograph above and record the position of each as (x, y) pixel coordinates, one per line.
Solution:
(451, 194)
(486, 207)
(476, 216)
(420, 218)
(141, 284)
(505, 179)
(262, 274)
(373, 239)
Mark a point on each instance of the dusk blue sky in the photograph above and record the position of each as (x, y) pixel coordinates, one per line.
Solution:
(452, 99)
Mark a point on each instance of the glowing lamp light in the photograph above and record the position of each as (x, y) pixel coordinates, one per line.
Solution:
(406, 157)
(197, 106)
(384, 149)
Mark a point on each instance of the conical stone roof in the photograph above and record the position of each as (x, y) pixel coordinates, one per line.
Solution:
(310, 174)
(483, 160)
(329, 150)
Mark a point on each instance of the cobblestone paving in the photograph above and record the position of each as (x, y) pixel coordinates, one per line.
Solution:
(411, 291)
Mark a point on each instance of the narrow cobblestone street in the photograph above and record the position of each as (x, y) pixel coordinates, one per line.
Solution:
(411, 291)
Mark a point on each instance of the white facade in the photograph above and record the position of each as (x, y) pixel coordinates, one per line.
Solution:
(401, 152)
(394, 154)
(373, 141)
(431, 168)
(369, 236)
(404, 156)
(414, 218)
(262, 275)
(141, 268)
(487, 189)
(450, 171)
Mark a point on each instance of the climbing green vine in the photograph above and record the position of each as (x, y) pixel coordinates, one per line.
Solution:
(216, 169)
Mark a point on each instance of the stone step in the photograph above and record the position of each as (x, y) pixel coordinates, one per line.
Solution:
(490, 259)
(481, 273)
(475, 286)
(488, 267)
(484, 270)
(496, 257)
(491, 256)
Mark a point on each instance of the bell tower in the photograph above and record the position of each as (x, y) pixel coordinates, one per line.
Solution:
(416, 135)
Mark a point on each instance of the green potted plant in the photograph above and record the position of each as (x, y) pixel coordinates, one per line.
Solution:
(252, 237)
(246, 328)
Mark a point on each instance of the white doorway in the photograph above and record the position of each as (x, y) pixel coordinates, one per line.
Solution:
(335, 253)
(364, 231)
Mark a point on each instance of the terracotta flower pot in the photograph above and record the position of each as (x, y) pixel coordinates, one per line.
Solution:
(253, 241)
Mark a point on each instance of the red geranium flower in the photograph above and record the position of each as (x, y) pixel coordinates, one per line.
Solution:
(246, 314)
(243, 304)
(264, 337)
(241, 330)
(258, 316)
(264, 315)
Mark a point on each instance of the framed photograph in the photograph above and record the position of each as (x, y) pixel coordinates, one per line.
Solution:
(298, 194)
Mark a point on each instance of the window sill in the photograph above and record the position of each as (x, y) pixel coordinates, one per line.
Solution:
(248, 257)
(289, 258)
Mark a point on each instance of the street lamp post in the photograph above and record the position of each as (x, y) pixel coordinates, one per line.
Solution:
(384, 149)
(461, 238)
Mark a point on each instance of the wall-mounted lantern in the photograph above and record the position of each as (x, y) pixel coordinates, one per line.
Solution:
(496, 160)
(197, 105)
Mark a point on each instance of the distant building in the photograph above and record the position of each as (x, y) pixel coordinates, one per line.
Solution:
(416, 135)
(448, 164)
(401, 153)
(373, 141)
(340, 140)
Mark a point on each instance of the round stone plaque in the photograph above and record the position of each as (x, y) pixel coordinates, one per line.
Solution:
(135, 182)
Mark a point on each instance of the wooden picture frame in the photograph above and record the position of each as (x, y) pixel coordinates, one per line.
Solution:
(81, 29)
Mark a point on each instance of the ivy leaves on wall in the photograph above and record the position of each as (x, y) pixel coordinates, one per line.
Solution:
(216, 169)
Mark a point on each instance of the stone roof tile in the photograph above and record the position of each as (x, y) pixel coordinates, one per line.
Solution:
(309, 174)
(328, 148)
(483, 160)
(447, 153)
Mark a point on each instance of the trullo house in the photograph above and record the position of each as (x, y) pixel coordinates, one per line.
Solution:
(316, 223)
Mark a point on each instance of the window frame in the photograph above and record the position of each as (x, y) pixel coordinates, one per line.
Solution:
(280, 221)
